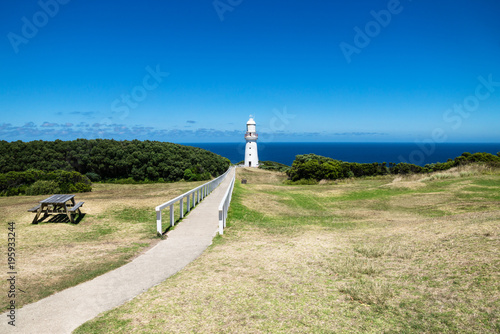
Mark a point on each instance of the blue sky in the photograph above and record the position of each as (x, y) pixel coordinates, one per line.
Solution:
(193, 71)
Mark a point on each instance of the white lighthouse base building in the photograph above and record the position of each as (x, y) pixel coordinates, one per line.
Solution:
(251, 154)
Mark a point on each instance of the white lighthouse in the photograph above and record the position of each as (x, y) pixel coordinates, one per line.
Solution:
(251, 155)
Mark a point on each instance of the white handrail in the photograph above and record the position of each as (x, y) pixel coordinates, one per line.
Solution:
(224, 205)
(198, 194)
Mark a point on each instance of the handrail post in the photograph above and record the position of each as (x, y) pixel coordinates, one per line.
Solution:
(158, 222)
(181, 206)
(172, 215)
(221, 222)
(224, 206)
(187, 203)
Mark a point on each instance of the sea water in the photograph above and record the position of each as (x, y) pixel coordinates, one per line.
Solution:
(352, 152)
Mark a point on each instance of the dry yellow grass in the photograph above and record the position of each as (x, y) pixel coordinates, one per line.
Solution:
(119, 223)
(359, 256)
(260, 176)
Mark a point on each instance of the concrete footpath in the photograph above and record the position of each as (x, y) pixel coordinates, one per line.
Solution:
(66, 310)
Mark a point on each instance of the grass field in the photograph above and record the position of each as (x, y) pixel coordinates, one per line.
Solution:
(382, 254)
(119, 223)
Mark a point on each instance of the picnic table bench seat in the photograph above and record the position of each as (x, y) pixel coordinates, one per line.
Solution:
(35, 208)
(76, 207)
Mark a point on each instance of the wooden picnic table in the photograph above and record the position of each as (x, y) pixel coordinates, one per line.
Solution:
(57, 204)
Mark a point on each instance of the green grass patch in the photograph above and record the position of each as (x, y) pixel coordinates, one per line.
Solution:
(302, 201)
(96, 232)
(131, 249)
(376, 193)
(115, 325)
(145, 217)
(488, 182)
(369, 292)
(136, 216)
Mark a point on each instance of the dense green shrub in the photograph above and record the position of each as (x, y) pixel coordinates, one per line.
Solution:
(189, 175)
(78, 187)
(272, 165)
(93, 177)
(312, 166)
(302, 182)
(35, 182)
(128, 180)
(43, 187)
(466, 157)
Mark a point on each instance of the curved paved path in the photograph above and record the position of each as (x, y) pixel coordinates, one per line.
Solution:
(66, 310)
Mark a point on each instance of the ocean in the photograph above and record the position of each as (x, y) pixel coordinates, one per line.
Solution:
(353, 152)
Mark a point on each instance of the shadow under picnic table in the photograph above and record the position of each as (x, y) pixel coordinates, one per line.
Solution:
(60, 218)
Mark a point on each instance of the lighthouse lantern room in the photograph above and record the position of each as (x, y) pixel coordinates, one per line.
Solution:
(251, 155)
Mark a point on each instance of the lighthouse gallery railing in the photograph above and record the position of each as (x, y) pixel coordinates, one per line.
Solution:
(193, 197)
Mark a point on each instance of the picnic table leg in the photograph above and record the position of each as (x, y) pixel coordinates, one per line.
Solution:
(70, 216)
(38, 212)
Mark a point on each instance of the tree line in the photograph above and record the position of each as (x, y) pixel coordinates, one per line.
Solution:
(316, 167)
(107, 160)
(49, 167)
